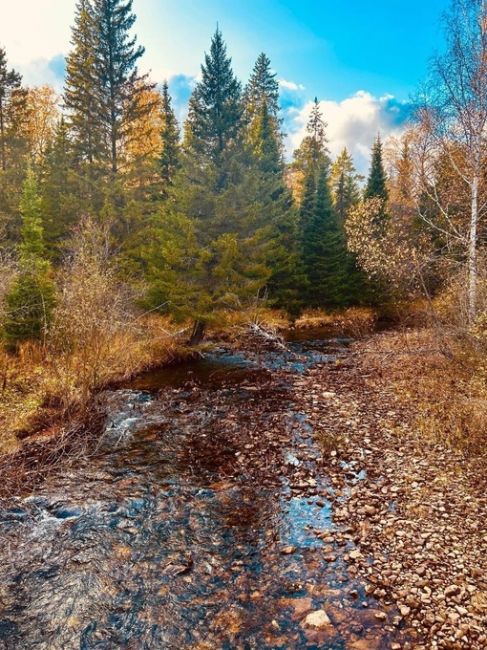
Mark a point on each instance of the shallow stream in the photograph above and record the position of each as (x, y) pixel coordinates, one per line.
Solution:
(202, 520)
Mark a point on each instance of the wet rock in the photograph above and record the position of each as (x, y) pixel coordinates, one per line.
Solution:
(288, 550)
(318, 619)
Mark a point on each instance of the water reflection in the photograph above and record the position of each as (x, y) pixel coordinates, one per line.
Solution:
(202, 523)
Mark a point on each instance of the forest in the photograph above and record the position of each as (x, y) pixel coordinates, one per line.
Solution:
(133, 245)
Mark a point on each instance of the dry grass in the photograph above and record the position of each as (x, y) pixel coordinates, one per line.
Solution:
(440, 375)
(229, 325)
(355, 321)
(41, 388)
(96, 337)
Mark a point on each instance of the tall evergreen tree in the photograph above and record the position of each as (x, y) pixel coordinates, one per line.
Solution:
(377, 180)
(62, 201)
(118, 83)
(323, 248)
(262, 87)
(345, 185)
(30, 301)
(261, 115)
(80, 98)
(13, 100)
(214, 121)
(265, 142)
(287, 281)
(103, 86)
(211, 243)
(169, 161)
(14, 146)
(313, 152)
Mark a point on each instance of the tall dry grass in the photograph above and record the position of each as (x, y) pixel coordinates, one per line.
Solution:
(440, 372)
(97, 337)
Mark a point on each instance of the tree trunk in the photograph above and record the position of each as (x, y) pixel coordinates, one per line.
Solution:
(2, 138)
(472, 252)
(198, 333)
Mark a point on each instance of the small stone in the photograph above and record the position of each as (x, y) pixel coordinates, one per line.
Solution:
(318, 619)
(452, 590)
(288, 550)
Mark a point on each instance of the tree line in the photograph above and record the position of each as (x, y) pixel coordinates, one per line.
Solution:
(207, 216)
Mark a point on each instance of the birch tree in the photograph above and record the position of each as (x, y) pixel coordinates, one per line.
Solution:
(454, 119)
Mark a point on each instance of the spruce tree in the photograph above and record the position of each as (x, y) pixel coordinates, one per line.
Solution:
(262, 87)
(118, 84)
(287, 281)
(80, 96)
(345, 185)
(265, 142)
(103, 86)
(323, 248)
(377, 180)
(211, 243)
(169, 160)
(13, 107)
(313, 152)
(14, 146)
(214, 121)
(30, 301)
(62, 202)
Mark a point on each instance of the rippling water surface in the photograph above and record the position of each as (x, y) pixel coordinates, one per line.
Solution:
(202, 520)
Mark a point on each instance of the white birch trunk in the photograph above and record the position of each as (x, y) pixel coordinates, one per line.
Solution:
(472, 251)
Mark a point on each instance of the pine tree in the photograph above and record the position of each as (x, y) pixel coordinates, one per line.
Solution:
(169, 161)
(313, 152)
(287, 281)
(103, 86)
(211, 244)
(345, 185)
(265, 142)
(322, 248)
(333, 280)
(80, 98)
(30, 301)
(262, 87)
(62, 201)
(14, 146)
(13, 100)
(118, 84)
(214, 121)
(377, 182)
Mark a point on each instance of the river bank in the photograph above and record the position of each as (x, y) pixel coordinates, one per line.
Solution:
(269, 496)
(49, 407)
(418, 518)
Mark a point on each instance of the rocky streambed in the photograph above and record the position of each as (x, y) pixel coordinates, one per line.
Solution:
(230, 503)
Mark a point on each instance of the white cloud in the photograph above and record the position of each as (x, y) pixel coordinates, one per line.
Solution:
(353, 123)
(36, 30)
(290, 85)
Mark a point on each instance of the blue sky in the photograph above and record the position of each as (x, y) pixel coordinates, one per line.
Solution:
(364, 60)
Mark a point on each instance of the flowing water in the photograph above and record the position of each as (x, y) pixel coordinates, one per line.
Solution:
(202, 520)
